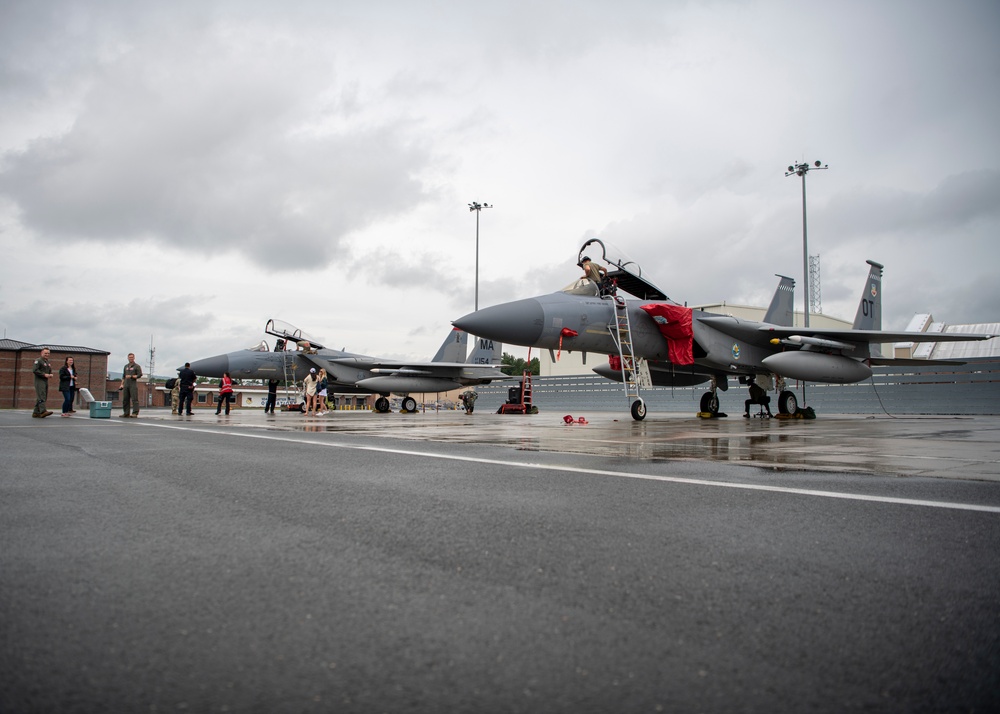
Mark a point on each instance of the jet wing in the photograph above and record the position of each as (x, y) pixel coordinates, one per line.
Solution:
(374, 364)
(874, 336)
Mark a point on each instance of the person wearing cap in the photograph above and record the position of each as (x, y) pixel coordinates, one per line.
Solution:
(309, 383)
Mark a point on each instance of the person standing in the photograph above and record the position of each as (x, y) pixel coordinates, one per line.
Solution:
(187, 378)
(68, 386)
(175, 395)
(130, 388)
(272, 396)
(225, 393)
(43, 373)
(309, 386)
(321, 386)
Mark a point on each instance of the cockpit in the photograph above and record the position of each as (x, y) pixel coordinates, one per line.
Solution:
(289, 338)
(607, 270)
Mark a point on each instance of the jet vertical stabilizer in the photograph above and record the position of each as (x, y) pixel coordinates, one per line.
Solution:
(486, 351)
(453, 348)
(782, 308)
(869, 315)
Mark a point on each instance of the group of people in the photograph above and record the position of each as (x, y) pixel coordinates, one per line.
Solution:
(181, 394)
(68, 385)
(316, 385)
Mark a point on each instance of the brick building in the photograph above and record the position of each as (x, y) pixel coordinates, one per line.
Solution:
(17, 383)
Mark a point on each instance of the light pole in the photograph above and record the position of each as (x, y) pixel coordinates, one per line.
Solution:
(478, 208)
(801, 170)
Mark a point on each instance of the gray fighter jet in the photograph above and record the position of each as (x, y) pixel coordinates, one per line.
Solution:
(295, 353)
(682, 346)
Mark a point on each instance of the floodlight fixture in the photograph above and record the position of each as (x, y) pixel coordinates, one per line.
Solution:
(478, 208)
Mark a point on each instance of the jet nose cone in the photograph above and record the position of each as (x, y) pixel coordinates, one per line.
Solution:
(516, 323)
(211, 366)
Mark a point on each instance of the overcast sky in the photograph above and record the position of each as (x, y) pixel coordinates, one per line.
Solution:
(177, 173)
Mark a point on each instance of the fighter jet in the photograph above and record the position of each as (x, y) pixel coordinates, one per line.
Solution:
(295, 353)
(654, 335)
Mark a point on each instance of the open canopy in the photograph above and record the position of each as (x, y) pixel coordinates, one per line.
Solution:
(623, 272)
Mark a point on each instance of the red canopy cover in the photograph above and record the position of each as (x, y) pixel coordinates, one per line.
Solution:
(674, 322)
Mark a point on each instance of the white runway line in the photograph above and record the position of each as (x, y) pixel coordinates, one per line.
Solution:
(602, 472)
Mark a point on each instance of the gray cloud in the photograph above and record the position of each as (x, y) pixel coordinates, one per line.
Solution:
(223, 145)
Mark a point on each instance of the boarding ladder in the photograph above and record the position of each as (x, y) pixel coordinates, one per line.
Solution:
(635, 371)
(526, 395)
(523, 405)
(288, 374)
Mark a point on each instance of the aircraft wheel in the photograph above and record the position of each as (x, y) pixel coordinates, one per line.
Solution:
(787, 403)
(382, 405)
(638, 410)
(409, 404)
(710, 402)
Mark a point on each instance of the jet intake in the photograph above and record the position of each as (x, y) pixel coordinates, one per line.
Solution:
(818, 367)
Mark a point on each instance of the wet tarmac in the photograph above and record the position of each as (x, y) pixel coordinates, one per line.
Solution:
(964, 447)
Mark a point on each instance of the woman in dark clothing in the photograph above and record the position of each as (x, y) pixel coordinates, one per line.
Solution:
(68, 386)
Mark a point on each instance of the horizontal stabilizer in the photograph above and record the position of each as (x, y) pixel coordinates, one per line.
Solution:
(877, 336)
(901, 362)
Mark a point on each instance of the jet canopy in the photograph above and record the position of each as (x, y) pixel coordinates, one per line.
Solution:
(290, 333)
(623, 273)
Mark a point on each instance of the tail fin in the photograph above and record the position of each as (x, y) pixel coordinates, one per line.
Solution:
(782, 309)
(453, 347)
(486, 352)
(869, 315)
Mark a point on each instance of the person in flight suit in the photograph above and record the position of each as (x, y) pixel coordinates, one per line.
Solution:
(130, 387)
(43, 373)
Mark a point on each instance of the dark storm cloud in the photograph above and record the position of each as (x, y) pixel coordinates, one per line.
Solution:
(957, 202)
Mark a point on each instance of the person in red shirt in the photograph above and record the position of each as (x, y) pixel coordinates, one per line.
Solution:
(225, 392)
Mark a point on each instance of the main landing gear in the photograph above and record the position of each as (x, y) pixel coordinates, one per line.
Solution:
(788, 403)
(409, 404)
(710, 403)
